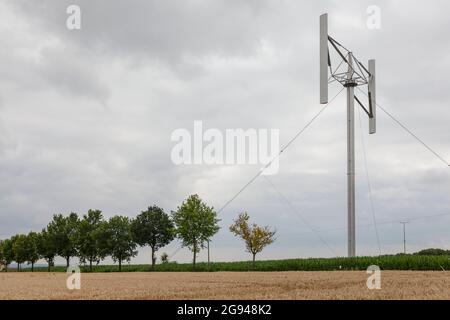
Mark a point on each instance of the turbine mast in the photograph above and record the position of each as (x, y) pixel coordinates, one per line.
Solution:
(350, 73)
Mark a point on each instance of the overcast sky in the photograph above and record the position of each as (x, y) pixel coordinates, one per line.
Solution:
(86, 117)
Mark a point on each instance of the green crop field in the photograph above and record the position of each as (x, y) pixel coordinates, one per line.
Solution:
(400, 262)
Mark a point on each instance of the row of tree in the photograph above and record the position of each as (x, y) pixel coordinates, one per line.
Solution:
(91, 238)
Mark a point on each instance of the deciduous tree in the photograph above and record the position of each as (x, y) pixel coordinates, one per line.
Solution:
(196, 224)
(114, 238)
(64, 231)
(2, 263)
(153, 228)
(46, 247)
(7, 252)
(255, 237)
(19, 249)
(31, 247)
(86, 238)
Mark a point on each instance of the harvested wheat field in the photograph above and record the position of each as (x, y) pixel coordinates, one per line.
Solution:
(227, 285)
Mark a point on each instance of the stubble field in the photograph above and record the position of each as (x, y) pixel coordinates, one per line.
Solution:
(227, 285)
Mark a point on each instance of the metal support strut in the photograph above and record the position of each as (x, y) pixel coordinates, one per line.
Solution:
(351, 158)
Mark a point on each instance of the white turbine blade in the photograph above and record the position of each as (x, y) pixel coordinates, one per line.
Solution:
(324, 58)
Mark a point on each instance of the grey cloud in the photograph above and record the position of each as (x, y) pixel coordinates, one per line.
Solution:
(63, 70)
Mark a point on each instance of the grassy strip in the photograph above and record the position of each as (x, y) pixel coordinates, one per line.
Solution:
(400, 262)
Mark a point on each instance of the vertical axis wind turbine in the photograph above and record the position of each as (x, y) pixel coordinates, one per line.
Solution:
(350, 73)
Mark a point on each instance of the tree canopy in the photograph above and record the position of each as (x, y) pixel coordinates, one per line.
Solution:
(196, 224)
(31, 248)
(86, 238)
(91, 238)
(64, 230)
(6, 252)
(46, 247)
(153, 227)
(255, 237)
(20, 249)
(114, 238)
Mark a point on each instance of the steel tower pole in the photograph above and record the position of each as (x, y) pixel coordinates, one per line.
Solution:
(404, 235)
(351, 158)
(404, 238)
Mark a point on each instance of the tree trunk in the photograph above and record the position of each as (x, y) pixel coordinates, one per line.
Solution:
(253, 263)
(208, 256)
(153, 258)
(195, 256)
(32, 267)
(18, 267)
(49, 263)
(67, 262)
(120, 265)
(90, 265)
